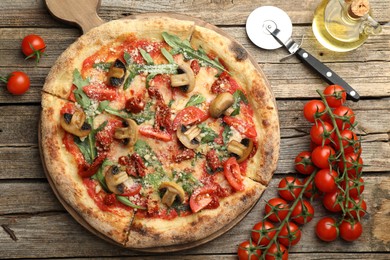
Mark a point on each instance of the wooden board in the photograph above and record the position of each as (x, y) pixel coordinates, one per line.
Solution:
(69, 11)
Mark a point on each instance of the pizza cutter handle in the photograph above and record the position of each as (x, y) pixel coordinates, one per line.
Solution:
(326, 73)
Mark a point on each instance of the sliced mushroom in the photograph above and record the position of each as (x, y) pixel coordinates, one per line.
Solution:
(189, 137)
(173, 191)
(115, 178)
(185, 79)
(128, 133)
(242, 150)
(75, 123)
(221, 104)
(117, 73)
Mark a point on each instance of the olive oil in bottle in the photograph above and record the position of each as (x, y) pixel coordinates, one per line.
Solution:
(343, 25)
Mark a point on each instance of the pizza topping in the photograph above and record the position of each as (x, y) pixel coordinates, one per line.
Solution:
(135, 105)
(75, 123)
(149, 131)
(233, 175)
(134, 165)
(242, 150)
(225, 83)
(185, 154)
(188, 116)
(201, 197)
(115, 178)
(190, 137)
(246, 128)
(173, 191)
(185, 79)
(213, 161)
(117, 73)
(128, 133)
(221, 104)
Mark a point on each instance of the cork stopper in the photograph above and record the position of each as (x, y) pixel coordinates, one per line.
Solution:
(358, 8)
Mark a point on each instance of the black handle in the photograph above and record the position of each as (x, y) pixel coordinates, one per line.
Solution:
(326, 73)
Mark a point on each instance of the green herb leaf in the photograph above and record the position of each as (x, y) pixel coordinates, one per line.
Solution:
(208, 134)
(149, 60)
(105, 66)
(147, 154)
(127, 58)
(167, 55)
(139, 118)
(188, 181)
(127, 202)
(226, 134)
(195, 100)
(103, 105)
(84, 148)
(159, 69)
(100, 174)
(188, 52)
(238, 97)
(79, 94)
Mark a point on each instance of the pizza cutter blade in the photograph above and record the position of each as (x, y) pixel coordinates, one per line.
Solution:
(270, 28)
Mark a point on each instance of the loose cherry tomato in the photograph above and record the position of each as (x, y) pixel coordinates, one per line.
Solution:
(262, 233)
(349, 141)
(247, 251)
(335, 95)
(322, 133)
(277, 251)
(312, 110)
(356, 207)
(356, 187)
(232, 173)
(33, 46)
(354, 164)
(350, 230)
(201, 197)
(189, 115)
(325, 180)
(289, 188)
(322, 156)
(276, 209)
(303, 163)
(347, 113)
(17, 82)
(327, 230)
(332, 201)
(289, 235)
(303, 212)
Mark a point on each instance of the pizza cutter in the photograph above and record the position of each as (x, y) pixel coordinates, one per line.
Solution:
(270, 28)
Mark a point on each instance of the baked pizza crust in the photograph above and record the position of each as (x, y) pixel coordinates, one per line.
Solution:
(63, 172)
(141, 233)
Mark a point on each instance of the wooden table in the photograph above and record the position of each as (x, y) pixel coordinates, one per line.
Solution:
(43, 229)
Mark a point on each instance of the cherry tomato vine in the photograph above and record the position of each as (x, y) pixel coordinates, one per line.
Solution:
(333, 169)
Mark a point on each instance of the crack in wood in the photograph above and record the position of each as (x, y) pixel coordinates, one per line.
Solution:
(10, 232)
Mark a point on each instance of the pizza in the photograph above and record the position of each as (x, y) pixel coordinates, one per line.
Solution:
(158, 131)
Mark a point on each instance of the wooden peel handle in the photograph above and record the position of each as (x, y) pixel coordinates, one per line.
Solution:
(82, 13)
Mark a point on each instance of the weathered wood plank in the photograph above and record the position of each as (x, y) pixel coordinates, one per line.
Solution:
(35, 230)
(27, 13)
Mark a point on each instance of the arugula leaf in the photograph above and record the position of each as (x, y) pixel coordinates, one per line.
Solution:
(84, 149)
(127, 58)
(127, 202)
(79, 94)
(226, 134)
(195, 100)
(149, 60)
(103, 105)
(100, 174)
(185, 48)
(105, 66)
(238, 96)
(167, 55)
(139, 118)
(208, 134)
(188, 181)
(148, 155)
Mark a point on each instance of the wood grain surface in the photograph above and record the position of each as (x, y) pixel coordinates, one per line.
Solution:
(44, 229)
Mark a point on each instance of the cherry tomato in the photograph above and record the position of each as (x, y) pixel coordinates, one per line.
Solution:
(303, 163)
(321, 133)
(354, 165)
(326, 229)
(289, 188)
(289, 235)
(302, 214)
(247, 251)
(356, 207)
(356, 187)
(278, 252)
(232, 173)
(322, 156)
(349, 141)
(17, 82)
(262, 233)
(276, 209)
(350, 230)
(347, 113)
(33, 46)
(311, 190)
(246, 128)
(312, 109)
(188, 116)
(201, 197)
(335, 95)
(332, 200)
(325, 180)
(149, 131)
